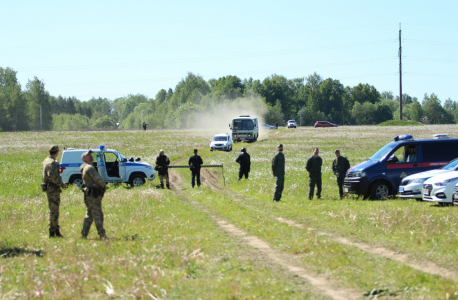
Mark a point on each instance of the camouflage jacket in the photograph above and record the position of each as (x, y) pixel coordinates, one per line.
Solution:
(91, 178)
(51, 175)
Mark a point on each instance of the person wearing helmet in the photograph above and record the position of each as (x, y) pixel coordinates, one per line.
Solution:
(245, 163)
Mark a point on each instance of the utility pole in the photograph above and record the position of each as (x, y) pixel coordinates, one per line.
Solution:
(400, 74)
(41, 120)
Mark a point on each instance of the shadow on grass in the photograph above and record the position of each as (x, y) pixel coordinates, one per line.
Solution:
(6, 252)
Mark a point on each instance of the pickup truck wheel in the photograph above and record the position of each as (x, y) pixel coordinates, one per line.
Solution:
(76, 180)
(137, 180)
(380, 191)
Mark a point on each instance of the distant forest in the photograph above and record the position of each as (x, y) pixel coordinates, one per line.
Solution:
(305, 99)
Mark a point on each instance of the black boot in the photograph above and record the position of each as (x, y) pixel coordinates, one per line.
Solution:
(162, 185)
(168, 186)
(58, 233)
(52, 233)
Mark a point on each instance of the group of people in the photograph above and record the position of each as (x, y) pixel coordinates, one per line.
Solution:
(340, 166)
(94, 188)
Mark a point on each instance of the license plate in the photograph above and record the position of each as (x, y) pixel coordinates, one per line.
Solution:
(346, 190)
(401, 189)
(426, 192)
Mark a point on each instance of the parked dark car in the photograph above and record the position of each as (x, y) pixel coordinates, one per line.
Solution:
(324, 124)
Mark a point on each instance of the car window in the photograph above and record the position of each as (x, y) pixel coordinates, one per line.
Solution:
(220, 138)
(405, 154)
(451, 166)
(110, 157)
(379, 155)
(440, 151)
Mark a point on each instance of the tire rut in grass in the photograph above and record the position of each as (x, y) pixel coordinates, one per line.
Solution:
(274, 258)
(423, 266)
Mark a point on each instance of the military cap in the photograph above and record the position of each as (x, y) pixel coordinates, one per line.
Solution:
(54, 149)
(86, 153)
(280, 146)
(195, 150)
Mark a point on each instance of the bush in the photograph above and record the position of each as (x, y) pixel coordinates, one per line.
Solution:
(400, 123)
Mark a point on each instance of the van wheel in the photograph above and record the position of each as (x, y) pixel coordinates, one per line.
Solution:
(137, 180)
(76, 180)
(380, 191)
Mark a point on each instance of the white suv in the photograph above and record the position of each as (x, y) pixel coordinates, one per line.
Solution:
(411, 186)
(291, 124)
(111, 165)
(221, 141)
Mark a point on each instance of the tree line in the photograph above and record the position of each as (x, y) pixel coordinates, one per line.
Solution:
(305, 99)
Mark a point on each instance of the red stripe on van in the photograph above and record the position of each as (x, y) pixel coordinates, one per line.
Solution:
(401, 166)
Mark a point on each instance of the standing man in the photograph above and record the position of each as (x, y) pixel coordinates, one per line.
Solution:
(278, 170)
(313, 166)
(162, 166)
(245, 164)
(52, 182)
(144, 125)
(195, 162)
(340, 166)
(94, 189)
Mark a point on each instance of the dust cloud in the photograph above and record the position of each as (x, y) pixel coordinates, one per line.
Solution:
(217, 117)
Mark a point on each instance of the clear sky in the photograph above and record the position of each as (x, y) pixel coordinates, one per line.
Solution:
(114, 48)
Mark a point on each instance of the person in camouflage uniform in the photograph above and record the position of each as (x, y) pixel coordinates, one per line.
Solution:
(340, 166)
(52, 183)
(94, 189)
(162, 167)
(278, 170)
(313, 166)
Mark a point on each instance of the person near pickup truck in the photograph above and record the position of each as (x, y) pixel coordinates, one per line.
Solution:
(162, 167)
(340, 166)
(313, 166)
(52, 182)
(195, 162)
(94, 189)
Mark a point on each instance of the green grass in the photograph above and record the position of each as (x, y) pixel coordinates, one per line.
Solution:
(163, 244)
(400, 123)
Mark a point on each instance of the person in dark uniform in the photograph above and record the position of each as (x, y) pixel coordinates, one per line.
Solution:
(195, 162)
(278, 170)
(144, 125)
(162, 167)
(313, 166)
(340, 166)
(245, 164)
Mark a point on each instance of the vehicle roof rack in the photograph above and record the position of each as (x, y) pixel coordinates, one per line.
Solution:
(244, 116)
(441, 136)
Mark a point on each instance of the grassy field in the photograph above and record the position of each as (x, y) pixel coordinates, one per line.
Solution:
(223, 241)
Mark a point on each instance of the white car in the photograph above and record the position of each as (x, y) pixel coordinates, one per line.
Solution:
(221, 141)
(291, 124)
(440, 188)
(455, 195)
(111, 165)
(411, 186)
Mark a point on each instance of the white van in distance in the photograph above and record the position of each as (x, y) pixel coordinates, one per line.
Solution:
(111, 165)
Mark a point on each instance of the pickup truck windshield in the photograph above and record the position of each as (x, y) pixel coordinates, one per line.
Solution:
(379, 155)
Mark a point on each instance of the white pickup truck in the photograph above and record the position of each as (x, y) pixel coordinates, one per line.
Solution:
(111, 165)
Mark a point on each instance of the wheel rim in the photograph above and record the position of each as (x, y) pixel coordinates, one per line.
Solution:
(78, 182)
(137, 181)
(382, 192)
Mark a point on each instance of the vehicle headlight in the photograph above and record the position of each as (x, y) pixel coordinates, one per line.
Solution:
(419, 180)
(445, 182)
(359, 174)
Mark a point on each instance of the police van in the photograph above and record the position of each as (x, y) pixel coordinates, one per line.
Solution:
(111, 165)
(380, 176)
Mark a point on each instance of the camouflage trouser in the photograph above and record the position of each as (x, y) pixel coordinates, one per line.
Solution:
(162, 177)
(94, 214)
(53, 203)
